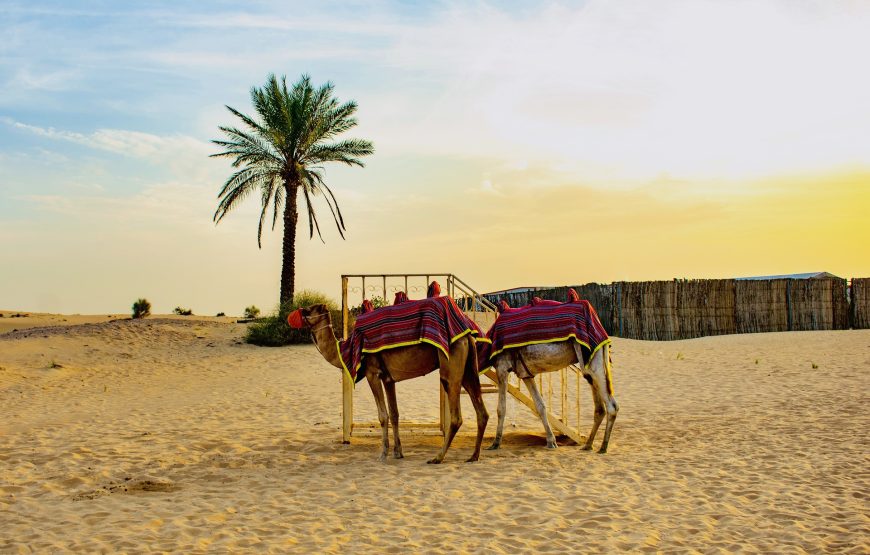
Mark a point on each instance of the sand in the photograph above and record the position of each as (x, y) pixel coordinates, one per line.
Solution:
(170, 434)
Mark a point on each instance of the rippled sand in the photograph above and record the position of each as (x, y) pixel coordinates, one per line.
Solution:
(172, 435)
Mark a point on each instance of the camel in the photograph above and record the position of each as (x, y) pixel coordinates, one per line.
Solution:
(531, 360)
(384, 369)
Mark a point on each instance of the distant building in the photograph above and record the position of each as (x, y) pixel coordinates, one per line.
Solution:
(810, 275)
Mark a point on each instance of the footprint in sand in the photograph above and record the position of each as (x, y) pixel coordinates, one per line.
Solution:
(129, 486)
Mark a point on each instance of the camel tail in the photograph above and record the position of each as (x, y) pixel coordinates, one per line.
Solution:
(471, 361)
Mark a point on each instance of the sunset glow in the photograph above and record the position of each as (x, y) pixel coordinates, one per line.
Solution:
(543, 144)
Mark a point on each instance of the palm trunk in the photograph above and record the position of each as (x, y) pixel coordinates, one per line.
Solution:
(288, 264)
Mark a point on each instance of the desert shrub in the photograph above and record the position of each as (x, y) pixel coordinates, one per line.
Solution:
(182, 311)
(273, 330)
(219, 314)
(252, 312)
(141, 308)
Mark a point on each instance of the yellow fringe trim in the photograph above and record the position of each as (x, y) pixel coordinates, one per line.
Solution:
(608, 372)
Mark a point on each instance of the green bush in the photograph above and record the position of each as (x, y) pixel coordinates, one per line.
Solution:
(273, 330)
(141, 308)
(252, 312)
(182, 311)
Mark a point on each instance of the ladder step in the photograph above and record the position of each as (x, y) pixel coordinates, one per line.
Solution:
(484, 389)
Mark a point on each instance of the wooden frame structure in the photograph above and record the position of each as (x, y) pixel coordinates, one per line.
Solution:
(483, 312)
(567, 393)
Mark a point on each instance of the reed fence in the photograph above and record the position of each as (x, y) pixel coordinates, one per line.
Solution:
(684, 309)
(860, 303)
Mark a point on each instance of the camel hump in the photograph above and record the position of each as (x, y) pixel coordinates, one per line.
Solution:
(573, 297)
(538, 301)
(434, 290)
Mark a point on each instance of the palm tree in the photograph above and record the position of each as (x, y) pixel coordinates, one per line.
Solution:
(282, 153)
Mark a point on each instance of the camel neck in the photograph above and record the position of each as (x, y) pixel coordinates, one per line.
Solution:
(327, 345)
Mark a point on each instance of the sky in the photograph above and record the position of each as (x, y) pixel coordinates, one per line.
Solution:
(516, 144)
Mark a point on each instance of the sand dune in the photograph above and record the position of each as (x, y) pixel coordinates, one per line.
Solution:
(170, 434)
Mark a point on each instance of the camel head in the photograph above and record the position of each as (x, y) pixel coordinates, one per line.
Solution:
(308, 316)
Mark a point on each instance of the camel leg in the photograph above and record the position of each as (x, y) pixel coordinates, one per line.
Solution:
(542, 411)
(451, 381)
(378, 392)
(599, 373)
(390, 386)
(471, 383)
(502, 370)
(598, 416)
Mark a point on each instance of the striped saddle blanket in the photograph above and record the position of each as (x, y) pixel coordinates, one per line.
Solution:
(437, 321)
(544, 322)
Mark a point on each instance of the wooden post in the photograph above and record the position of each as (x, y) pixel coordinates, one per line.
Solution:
(444, 409)
(563, 373)
(579, 384)
(345, 312)
(346, 381)
(550, 390)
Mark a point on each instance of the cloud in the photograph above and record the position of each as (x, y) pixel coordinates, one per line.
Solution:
(120, 141)
(628, 90)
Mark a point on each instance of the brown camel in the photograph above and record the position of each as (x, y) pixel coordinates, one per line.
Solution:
(531, 360)
(384, 369)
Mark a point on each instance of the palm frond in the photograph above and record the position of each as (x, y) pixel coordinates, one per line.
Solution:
(317, 185)
(233, 197)
(267, 190)
(279, 201)
(343, 151)
(312, 217)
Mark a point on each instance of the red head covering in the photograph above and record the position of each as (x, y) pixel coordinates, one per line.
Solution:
(295, 320)
(573, 297)
(367, 306)
(503, 306)
(401, 297)
(434, 290)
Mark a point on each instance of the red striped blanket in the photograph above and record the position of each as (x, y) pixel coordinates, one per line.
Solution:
(437, 321)
(544, 323)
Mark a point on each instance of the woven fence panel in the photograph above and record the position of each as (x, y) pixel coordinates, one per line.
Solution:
(860, 303)
(811, 303)
(600, 296)
(667, 310)
(646, 310)
(840, 304)
(761, 305)
(705, 307)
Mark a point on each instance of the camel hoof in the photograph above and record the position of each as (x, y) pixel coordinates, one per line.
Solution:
(434, 461)
(587, 447)
(493, 447)
(473, 459)
(398, 456)
(602, 451)
(551, 445)
(382, 458)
